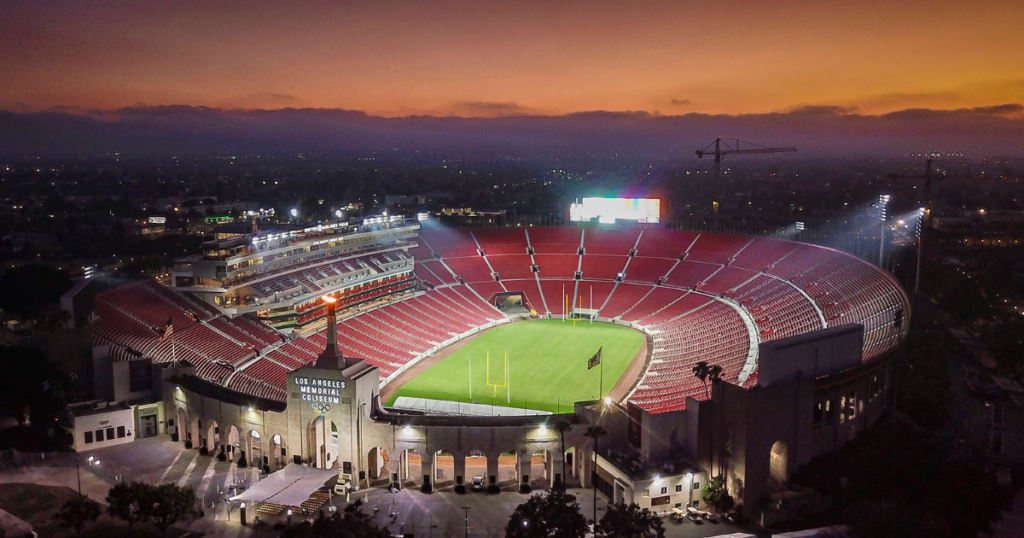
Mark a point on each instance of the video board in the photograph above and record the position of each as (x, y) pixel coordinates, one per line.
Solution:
(608, 210)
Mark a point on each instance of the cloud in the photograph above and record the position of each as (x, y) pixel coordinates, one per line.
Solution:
(821, 110)
(819, 131)
(1008, 109)
(681, 102)
(489, 109)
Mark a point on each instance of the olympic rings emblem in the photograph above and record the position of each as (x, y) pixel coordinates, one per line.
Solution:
(321, 407)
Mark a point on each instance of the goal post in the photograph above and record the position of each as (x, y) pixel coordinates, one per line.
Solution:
(504, 382)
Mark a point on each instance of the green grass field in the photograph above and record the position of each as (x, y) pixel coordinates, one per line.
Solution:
(547, 363)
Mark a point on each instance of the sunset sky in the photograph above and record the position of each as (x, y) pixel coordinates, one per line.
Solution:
(490, 58)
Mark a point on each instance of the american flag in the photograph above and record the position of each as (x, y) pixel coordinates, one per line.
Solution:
(168, 331)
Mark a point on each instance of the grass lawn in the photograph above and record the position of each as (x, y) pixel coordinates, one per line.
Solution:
(34, 503)
(547, 364)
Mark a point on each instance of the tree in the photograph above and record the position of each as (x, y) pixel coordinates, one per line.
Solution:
(127, 501)
(28, 289)
(352, 523)
(714, 490)
(621, 521)
(553, 513)
(704, 371)
(167, 504)
(562, 426)
(76, 512)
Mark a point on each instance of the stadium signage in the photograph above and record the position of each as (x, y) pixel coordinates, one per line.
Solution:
(320, 390)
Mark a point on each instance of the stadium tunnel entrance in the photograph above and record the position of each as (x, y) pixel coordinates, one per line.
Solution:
(377, 470)
(212, 437)
(410, 468)
(323, 439)
(233, 443)
(513, 302)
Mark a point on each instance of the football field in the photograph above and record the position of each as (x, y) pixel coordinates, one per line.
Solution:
(547, 364)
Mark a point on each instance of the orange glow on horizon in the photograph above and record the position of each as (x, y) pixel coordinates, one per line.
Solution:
(486, 59)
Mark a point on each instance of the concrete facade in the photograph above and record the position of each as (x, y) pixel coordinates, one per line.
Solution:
(333, 418)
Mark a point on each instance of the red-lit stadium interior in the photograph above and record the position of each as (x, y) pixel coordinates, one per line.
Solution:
(701, 296)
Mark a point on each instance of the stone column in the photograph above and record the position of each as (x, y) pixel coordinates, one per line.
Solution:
(427, 467)
(492, 467)
(525, 467)
(460, 468)
(554, 466)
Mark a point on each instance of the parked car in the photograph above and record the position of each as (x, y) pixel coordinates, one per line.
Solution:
(478, 483)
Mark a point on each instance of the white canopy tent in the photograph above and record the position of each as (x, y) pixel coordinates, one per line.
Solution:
(287, 487)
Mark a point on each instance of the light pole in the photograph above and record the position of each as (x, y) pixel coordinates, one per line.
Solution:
(883, 201)
(921, 212)
(466, 508)
(799, 230)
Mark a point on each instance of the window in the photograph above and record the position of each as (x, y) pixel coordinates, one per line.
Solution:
(99, 435)
(120, 432)
(110, 433)
(696, 485)
(679, 487)
(88, 437)
(819, 410)
(829, 413)
(664, 491)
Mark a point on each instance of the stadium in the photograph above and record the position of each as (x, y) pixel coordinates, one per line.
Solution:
(499, 328)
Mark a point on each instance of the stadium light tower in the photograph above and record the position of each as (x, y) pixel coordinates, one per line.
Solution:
(921, 212)
(799, 229)
(883, 202)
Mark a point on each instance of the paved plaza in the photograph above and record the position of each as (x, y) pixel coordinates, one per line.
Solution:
(441, 514)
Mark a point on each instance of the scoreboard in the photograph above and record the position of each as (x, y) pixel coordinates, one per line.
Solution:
(608, 210)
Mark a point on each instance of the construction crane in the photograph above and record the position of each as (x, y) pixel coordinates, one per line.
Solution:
(931, 172)
(731, 146)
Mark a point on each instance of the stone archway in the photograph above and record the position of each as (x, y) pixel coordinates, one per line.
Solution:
(180, 425)
(541, 471)
(212, 437)
(255, 448)
(507, 468)
(377, 464)
(410, 468)
(444, 469)
(475, 465)
(277, 449)
(572, 467)
(323, 442)
(233, 445)
(778, 466)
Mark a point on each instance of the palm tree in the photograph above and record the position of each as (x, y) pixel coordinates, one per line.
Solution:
(562, 426)
(715, 372)
(704, 371)
(701, 371)
(595, 432)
